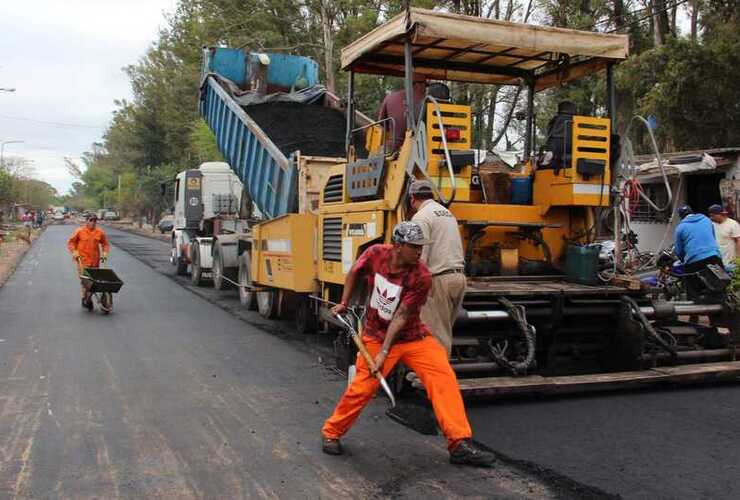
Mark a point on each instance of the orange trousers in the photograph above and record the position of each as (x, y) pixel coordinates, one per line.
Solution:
(429, 360)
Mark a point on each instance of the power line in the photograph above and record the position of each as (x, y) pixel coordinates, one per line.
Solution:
(58, 124)
(652, 14)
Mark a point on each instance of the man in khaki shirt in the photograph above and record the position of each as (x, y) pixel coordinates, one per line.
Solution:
(445, 259)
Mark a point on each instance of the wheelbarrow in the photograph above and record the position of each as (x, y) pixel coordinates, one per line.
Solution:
(100, 283)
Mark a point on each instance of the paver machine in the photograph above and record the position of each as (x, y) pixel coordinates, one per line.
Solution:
(534, 317)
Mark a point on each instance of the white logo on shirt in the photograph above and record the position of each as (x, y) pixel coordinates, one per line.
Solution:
(386, 297)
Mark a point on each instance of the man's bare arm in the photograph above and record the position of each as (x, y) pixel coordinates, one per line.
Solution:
(349, 286)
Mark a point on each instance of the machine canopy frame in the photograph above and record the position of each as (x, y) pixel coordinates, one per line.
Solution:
(470, 49)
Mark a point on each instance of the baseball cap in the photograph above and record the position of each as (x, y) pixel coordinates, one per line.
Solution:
(684, 210)
(421, 187)
(409, 232)
(716, 209)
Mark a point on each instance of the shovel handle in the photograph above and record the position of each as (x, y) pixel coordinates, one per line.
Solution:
(365, 354)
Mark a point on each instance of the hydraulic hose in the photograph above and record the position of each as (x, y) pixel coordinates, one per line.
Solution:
(648, 327)
(530, 336)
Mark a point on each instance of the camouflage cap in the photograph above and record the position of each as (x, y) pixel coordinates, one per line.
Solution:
(409, 232)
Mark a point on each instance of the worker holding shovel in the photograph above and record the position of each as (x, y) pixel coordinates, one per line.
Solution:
(393, 332)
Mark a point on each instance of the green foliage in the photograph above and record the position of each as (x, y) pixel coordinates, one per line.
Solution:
(687, 85)
(691, 89)
(203, 143)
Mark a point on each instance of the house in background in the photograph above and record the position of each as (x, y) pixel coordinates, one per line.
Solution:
(696, 178)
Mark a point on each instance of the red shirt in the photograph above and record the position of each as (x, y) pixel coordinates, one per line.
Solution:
(409, 287)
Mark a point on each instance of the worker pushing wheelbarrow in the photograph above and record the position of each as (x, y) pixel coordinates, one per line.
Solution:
(89, 247)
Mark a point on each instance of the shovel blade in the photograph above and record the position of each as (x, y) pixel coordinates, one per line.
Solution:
(387, 389)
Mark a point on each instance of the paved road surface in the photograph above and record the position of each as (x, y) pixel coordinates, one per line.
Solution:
(172, 397)
(679, 443)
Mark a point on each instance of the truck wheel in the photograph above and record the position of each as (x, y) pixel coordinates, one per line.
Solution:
(247, 297)
(219, 283)
(196, 273)
(305, 317)
(267, 304)
(179, 262)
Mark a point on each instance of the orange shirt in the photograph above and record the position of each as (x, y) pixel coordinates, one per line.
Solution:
(87, 242)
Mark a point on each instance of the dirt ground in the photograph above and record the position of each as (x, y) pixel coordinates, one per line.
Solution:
(11, 253)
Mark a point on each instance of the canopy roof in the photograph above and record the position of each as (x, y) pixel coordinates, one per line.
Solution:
(472, 49)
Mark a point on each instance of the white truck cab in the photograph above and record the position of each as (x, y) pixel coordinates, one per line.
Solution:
(203, 196)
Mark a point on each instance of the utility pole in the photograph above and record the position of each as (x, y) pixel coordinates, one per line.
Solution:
(119, 192)
(2, 151)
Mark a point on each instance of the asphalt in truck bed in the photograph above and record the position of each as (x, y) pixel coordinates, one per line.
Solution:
(173, 397)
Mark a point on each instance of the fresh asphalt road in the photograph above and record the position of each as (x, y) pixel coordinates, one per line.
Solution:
(173, 397)
(674, 443)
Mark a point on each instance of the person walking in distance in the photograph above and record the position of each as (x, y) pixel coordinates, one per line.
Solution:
(393, 332)
(85, 246)
(445, 259)
(727, 231)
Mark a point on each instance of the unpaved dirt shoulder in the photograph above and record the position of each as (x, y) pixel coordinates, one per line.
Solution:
(12, 252)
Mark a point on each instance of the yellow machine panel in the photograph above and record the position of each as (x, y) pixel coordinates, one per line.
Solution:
(584, 181)
(284, 252)
(341, 236)
(457, 122)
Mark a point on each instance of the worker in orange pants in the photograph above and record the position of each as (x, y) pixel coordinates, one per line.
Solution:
(393, 331)
(429, 360)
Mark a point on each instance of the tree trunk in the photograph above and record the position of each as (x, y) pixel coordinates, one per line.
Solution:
(661, 28)
(694, 18)
(328, 34)
(618, 14)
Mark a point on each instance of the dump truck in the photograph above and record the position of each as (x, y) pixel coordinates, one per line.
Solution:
(278, 152)
(537, 316)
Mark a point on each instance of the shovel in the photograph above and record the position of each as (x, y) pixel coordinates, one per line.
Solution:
(368, 358)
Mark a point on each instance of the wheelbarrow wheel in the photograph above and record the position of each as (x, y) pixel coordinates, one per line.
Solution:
(106, 302)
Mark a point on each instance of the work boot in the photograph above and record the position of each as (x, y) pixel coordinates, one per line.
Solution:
(87, 302)
(331, 446)
(467, 453)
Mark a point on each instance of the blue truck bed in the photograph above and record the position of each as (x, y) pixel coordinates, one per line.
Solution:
(260, 148)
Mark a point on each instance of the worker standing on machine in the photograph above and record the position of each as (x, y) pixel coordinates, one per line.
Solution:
(394, 106)
(393, 332)
(696, 246)
(445, 259)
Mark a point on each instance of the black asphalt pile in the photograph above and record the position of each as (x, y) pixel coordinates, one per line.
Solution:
(309, 128)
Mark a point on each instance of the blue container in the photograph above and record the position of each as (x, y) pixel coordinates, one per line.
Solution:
(284, 70)
(521, 191)
(291, 71)
(228, 63)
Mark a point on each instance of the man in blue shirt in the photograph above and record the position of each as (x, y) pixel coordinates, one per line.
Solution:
(696, 246)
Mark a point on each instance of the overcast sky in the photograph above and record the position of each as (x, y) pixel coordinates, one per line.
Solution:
(65, 60)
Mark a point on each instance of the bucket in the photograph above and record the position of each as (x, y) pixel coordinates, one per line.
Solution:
(521, 191)
(582, 264)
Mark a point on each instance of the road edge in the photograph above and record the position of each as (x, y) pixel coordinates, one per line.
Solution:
(18, 258)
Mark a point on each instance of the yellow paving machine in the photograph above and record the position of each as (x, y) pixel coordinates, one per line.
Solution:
(538, 316)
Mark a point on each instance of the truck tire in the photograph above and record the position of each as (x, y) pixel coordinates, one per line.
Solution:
(196, 272)
(305, 317)
(219, 283)
(180, 263)
(268, 304)
(247, 297)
